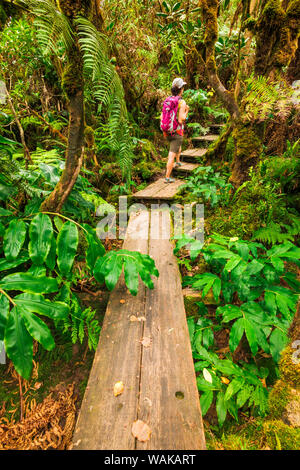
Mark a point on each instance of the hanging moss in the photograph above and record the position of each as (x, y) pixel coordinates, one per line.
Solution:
(89, 135)
(277, 33)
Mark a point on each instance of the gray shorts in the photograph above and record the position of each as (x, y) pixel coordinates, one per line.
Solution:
(175, 142)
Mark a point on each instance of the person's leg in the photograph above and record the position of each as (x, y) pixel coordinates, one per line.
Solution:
(178, 155)
(170, 163)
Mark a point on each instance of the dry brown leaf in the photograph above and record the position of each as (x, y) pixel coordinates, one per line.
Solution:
(133, 318)
(118, 388)
(146, 342)
(225, 380)
(141, 431)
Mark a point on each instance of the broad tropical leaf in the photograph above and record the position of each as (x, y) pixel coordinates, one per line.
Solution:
(40, 233)
(67, 241)
(18, 343)
(14, 238)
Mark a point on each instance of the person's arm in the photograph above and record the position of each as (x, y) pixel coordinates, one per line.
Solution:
(183, 112)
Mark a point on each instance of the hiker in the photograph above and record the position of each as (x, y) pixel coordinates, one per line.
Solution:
(173, 116)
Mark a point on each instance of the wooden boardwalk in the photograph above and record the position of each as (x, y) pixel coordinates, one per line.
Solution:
(152, 357)
(159, 191)
(205, 140)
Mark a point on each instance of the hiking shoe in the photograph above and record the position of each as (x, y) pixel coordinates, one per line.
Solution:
(177, 164)
(169, 180)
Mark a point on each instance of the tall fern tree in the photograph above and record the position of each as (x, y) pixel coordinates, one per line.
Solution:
(75, 24)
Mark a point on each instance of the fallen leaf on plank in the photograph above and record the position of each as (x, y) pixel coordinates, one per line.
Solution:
(146, 342)
(141, 431)
(118, 388)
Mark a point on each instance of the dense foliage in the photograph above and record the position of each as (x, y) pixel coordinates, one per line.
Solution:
(81, 90)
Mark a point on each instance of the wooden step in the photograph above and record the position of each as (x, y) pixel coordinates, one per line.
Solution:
(158, 191)
(216, 128)
(158, 376)
(204, 140)
(185, 168)
(192, 155)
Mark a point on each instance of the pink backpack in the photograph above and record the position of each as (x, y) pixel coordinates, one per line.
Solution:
(169, 122)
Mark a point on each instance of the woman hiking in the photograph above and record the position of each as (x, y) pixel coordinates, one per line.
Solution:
(173, 116)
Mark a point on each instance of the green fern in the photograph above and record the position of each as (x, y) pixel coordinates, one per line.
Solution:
(264, 97)
(52, 25)
(107, 90)
(54, 32)
(273, 232)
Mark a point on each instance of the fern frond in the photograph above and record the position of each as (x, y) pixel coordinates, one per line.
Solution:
(107, 90)
(52, 25)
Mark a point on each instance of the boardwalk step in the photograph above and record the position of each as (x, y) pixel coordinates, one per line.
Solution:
(192, 155)
(216, 128)
(159, 378)
(185, 168)
(158, 191)
(204, 140)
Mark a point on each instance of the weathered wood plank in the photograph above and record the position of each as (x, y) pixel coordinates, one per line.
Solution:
(205, 138)
(160, 190)
(169, 400)
(104, 420)
(185, 167)
(193, 155)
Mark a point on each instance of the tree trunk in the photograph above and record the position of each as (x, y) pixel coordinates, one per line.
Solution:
(74, 155)
(73, 85)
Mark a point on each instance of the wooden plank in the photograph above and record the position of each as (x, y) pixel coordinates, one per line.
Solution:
(185, 167)
(206, 138)
(192, 157)
(216, 128)
(104, 420)
(169, 400)
(160, 190)
(150, 190)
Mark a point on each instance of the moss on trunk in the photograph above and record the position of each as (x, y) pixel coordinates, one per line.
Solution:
(248, 138)
(276, 33)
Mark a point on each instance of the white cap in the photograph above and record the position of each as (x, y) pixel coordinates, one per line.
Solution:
(178, 83)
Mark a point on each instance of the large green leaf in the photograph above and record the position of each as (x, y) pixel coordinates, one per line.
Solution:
(205, 401)
(51, 258)
(278, 341)
(37, 304)
(67, 241)
(14, 238)
(131, 276)
(18, 343)
(95, 248)
(221, 407)
(4, 309)
(5, 264)
(40, 233)
(236, 334)
(37, 329)
(110, 267)
(29, 283)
